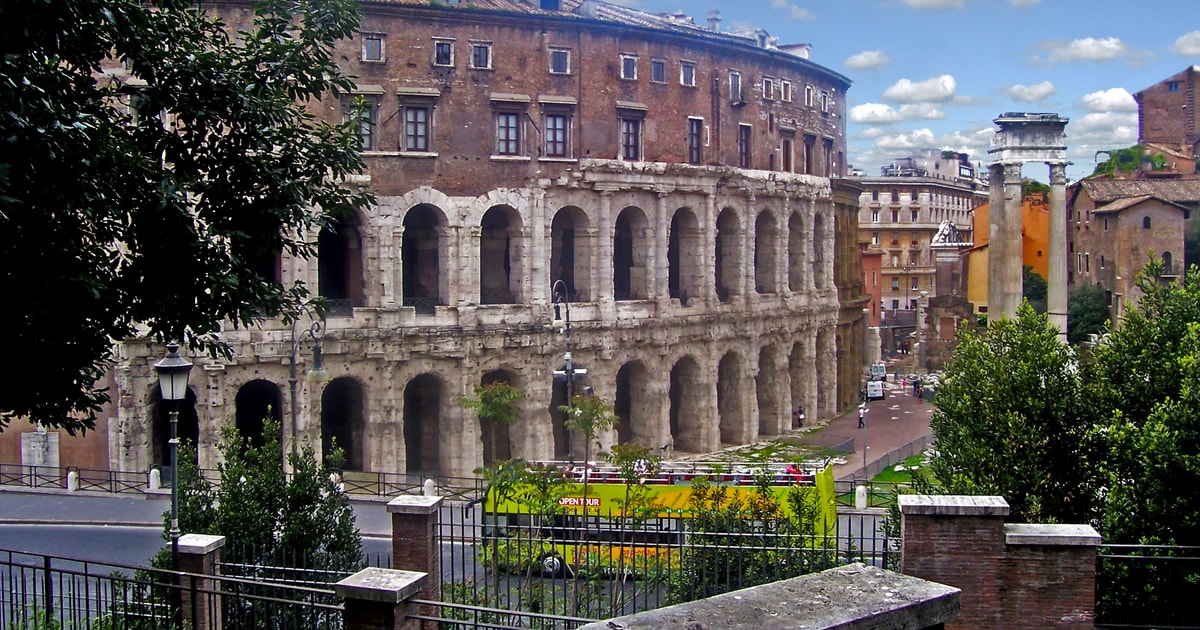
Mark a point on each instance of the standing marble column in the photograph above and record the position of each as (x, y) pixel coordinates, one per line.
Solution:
(1056, 298)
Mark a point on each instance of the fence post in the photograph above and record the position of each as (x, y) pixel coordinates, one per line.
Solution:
(376, 599)
(200, 554)
(415, 539)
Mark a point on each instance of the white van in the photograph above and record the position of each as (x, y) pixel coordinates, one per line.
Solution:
(875, 390)
(878, 372)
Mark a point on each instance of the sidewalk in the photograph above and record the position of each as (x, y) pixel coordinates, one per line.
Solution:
(899, 421)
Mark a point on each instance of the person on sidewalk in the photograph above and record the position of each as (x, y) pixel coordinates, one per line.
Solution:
(862, 416)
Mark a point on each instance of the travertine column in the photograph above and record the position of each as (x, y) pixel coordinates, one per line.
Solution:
(708, 235)
(1004, 246)
(1056, 297)
(603, 263)
(657, 286)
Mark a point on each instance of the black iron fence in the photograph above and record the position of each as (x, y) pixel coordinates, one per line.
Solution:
(1147, 586)
(609, 565)
(44, 592)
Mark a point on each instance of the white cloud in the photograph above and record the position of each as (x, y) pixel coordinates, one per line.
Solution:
(1104, 129)
(936, 4)
(1111, 100)
(1031, 93)
(1187, 45)
(1021, 4)
(917, 138)
(871, 132)
(881, 114)
(1088, 49)
(794, 11)
(935, 90)
(868, 60)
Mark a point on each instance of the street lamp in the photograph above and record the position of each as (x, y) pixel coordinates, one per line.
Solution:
(173, 373)
(562, 306)
(314, 331)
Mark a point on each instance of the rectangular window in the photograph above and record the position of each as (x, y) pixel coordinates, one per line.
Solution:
(786, 150)
(895, 284)
(874, 216)
(744, 136)
(808, 95)
(874, 238)
(557, 135)
(735, 87)
(629, 67)
(508, 133)
(560, 61)
(416, 129)
(768, 88)
(372, 47)
(443, 52)
(481, 55)
(785, 91)
(364, 110)
(687, 73)
(915, 284)
(809, 149)
(631, 139)
(824, 101)
(694, 139)
(915, 215)
(658, 71)
(895, 216)
(1173, 86)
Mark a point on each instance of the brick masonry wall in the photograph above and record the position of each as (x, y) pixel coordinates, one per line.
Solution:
(960, 551)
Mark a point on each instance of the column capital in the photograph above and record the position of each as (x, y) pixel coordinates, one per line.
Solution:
(1058, 173)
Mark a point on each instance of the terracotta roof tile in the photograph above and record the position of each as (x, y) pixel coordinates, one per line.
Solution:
(1103, 190)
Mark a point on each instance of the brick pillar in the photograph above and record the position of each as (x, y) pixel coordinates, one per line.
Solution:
(376, 599)
(958, 540)
(1050, 575)
(414, 540)
(199, 556)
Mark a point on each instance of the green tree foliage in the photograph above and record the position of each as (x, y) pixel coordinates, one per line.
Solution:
(1032, 186)
(1145, 383)
(1033, 287)
(261, 509)
(1087, 312)
(496, 403)
(1008, 422)
(112, 222)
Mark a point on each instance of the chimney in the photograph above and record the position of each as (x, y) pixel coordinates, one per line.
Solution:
(714, 20)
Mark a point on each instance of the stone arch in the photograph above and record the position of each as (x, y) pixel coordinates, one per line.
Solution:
(797, 383)
(187, 427)
(767, 386)
(340, 264)
(796, 255)
(423, 425)
(1168, 264)
(630, 251)
(343, 422)
(687, 383)
(684, 254)
(634, 405)
(733, 420)
(495, 436)
(571, 252)
(821, 252)
(766, 239)
(728, 264)
(501, 256)
(255, 402)
(422, 252)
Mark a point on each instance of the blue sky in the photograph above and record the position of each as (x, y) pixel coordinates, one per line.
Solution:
(935, 73)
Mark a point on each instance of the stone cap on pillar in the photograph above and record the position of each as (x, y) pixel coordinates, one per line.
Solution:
(387, 586)
(200, 543)
(1062, 535)
(409, 504)
(952, 505)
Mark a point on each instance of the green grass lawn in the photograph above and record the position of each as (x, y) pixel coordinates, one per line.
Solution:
(891, 475)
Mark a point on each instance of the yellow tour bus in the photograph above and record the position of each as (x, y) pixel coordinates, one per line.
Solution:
(556, 540)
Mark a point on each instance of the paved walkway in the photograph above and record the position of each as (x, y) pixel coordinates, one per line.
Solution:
(899, 422)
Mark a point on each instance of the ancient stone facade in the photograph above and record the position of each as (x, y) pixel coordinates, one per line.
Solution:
(676, 184)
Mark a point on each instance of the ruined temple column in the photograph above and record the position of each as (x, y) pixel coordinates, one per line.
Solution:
(656, 279)
(1004, 245)
(1056, 295)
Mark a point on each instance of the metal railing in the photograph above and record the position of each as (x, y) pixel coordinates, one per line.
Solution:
(39, 591)
(1147, 586)
(33, 476)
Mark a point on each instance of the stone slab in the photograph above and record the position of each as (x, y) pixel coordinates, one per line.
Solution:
(1064, 535)
(952, 505)
(412, 504)
(388, 586)
(200, 543)
(851, 597)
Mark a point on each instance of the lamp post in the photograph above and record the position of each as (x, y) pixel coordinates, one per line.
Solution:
(314, 331)
(562, 306)
(173, 371)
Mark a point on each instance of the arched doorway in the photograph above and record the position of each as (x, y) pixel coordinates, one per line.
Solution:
(342, 422)
(421, 249)
(820, 253)
(633, 406)
(766, 239)
(687, 433)
(256, 402)
(570, 253)
(422, 425)
(728, 261)
(796, 254)
(731, 408)
(630, 250)
(339, 265)
(683, 257)
(767, 389)
(500, 256)
(495, 435)
(187, 429)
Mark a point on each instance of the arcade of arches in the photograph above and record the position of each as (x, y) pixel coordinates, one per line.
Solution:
(706, 309)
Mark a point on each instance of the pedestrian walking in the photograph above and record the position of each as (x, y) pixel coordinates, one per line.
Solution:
(862, 416)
